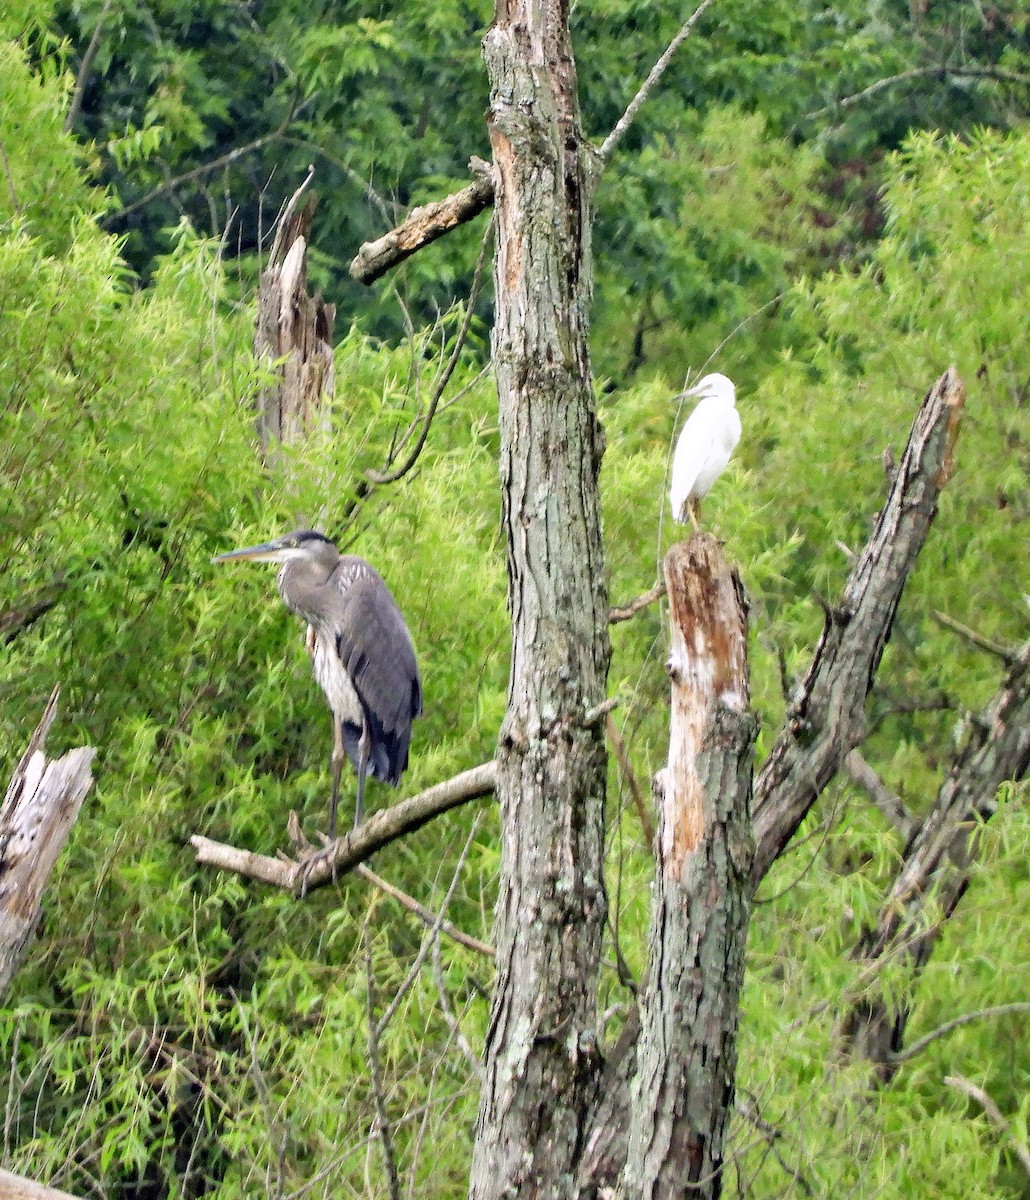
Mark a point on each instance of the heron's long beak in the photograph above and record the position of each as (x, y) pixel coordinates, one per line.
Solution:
(265, 552)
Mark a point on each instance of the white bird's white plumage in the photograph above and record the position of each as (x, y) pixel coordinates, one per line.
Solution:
(705, 444)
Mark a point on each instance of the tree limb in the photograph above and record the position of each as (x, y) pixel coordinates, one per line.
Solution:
(657, 71)
(981, 1014)
(860, 772)
(977, 639)
(847, 102)
(826, 719)
(85, 66)
(423, 913)
(993, 1114)
(423, 225)
(346, 852)
(936, 867)
(624, 612)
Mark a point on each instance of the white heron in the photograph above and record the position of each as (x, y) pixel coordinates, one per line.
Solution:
(704, 446)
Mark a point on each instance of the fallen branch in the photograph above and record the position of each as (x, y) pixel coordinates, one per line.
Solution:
(346, 852)
(37, 814)
(423, 225)
(827, 718)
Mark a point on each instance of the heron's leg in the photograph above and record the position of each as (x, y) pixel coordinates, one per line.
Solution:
(694, 509)
(335, 766)
(364, 749)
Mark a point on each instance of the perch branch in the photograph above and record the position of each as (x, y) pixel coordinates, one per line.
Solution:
(346, 852)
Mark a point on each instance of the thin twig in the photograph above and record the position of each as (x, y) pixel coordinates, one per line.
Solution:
(993, 1114)
(85, 67)
(427, 942)
(622, 754)
(623, 612)
(391, 476)
(860, 772)
(657, 71)
(847, 102)
(423, 913)
(375, 1074)
(1007, 655)
(997, 1010)
(453, 1024)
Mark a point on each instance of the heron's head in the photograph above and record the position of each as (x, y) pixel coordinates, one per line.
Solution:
(301, 544)
(713, 387)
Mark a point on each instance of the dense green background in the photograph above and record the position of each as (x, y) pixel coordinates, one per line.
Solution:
(180, 1033)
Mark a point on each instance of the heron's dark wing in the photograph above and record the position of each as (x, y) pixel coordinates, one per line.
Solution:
(376, 651)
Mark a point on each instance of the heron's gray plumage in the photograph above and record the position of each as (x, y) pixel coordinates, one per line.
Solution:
(361, 651)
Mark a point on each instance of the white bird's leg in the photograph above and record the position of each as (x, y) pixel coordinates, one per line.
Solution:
(335, 766)
(364, 747)
(694, 509)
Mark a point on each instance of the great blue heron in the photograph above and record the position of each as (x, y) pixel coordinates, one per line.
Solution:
(705, 444)
(360, 649)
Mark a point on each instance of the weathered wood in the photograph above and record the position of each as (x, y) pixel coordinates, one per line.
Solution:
(17, 1187)
(935, 871)
(827, 718)
(420, 227)
(293, 338)
(682, 1093)
(541, 1057)
(39, 809)
(346, 852)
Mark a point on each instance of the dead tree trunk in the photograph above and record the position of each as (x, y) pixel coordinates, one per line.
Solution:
(541, 1054)
(293, 338)
(40, 807)
(935, 871)
(682, 1093)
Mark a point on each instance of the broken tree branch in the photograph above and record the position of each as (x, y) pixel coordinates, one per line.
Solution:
(682, 1092)
(39, 809)
(623, 612)
(361, 843)
(826, 719)
(423, 225)
(936, 867)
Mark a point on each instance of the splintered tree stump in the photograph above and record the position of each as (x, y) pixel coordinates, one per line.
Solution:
(40, 807)
(293, 337)
(681, 1094)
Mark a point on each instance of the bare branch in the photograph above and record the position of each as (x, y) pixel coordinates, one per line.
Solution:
(623, 612)
(38, 811)
(223, 160)
(885, 800)
(72, 115)
(422, 226)
(391, 476)
(826, 719)
(385, 1130)
(981, 1014)
(936, 868)
(361, 843)
(1006, 654)
(423, 913)
(993, 1114)
(657, 71)
(847, 102)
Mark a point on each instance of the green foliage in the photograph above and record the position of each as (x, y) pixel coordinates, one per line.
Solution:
(179, 1032)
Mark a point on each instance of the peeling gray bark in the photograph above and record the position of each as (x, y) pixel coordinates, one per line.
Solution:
(541, 1054)
(295, 331)
(39, 809)
(935, 872)
(827, 718)
(682, 1094)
